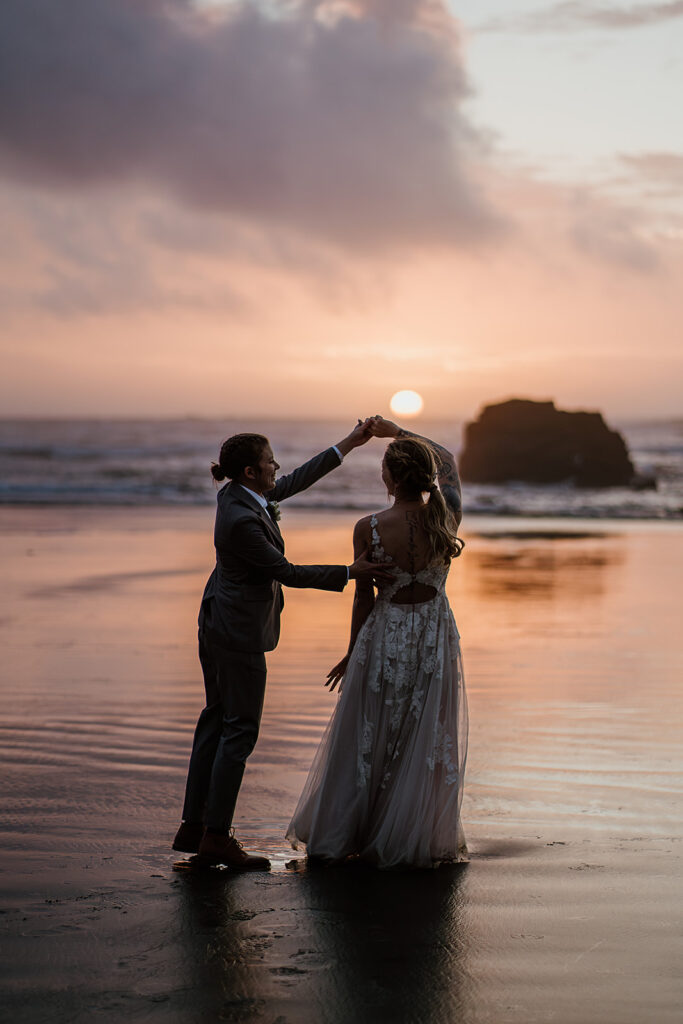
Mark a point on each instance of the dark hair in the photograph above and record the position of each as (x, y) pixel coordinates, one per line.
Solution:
(237, 452)
(412, 466)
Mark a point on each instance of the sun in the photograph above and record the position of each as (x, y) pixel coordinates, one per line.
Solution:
(406, 403)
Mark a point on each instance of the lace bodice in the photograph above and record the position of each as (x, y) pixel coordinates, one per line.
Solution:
(434, 575)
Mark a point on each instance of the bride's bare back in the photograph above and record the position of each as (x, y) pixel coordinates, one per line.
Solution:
(398, 536)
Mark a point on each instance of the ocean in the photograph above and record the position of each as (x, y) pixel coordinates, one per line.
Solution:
(108, 462)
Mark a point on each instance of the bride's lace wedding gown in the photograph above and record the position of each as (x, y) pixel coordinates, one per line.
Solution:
(387, 779)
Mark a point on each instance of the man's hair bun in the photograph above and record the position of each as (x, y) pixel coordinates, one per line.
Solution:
(237, 452)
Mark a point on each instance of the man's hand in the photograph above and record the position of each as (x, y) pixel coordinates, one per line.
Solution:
(361, 569)
(360, 434)
(379, 427)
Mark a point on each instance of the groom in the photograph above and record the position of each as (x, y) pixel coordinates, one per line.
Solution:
(239, 620)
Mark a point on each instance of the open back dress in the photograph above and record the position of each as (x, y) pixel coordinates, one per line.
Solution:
(386, 782)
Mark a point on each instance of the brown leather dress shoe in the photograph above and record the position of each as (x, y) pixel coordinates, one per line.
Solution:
(218, 849)
(188, 837)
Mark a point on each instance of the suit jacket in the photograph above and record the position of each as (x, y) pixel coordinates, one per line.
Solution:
(243, 597)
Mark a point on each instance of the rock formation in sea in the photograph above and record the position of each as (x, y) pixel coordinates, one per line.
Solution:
(534, 442)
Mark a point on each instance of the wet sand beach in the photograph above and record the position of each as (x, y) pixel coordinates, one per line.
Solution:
(569, 910)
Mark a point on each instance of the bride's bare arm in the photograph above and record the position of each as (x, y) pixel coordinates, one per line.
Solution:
(447, 471)
(364, 597)
(363, 601)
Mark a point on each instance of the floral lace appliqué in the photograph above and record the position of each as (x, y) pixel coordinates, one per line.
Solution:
(402, 648)
(365, 752)
(442, 754)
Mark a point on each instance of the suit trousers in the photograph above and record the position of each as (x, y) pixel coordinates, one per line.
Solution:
(227, 729)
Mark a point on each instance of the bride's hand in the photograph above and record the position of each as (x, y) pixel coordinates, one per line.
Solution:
(359, 435)
(336, 674)
(383, 428)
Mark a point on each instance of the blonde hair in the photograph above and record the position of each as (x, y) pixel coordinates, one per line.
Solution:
(412, 466)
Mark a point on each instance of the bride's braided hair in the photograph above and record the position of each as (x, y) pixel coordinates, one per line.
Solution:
(413, 469)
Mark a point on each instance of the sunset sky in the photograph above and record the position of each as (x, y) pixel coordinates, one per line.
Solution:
(298, 207)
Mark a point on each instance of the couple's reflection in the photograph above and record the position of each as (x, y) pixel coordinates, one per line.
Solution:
(392, 940)
(330, 945)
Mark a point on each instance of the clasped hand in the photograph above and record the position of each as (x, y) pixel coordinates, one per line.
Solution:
(371, 426)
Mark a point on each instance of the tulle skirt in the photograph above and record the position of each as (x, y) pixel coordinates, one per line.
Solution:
(386, 782)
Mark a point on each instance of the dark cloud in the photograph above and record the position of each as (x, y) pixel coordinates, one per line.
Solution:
(345, 126)
(581, 14)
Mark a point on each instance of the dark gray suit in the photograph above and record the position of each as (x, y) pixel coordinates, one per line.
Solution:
(239, 620)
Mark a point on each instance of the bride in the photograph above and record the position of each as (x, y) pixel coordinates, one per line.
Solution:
(386, 782)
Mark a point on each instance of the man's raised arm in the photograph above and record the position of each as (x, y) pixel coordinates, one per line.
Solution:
(320, 465)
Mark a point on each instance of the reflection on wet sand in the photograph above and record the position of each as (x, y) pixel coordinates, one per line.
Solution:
(534, 570)
(349, 944)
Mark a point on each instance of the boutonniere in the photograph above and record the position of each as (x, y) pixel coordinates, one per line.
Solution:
(274, 511)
